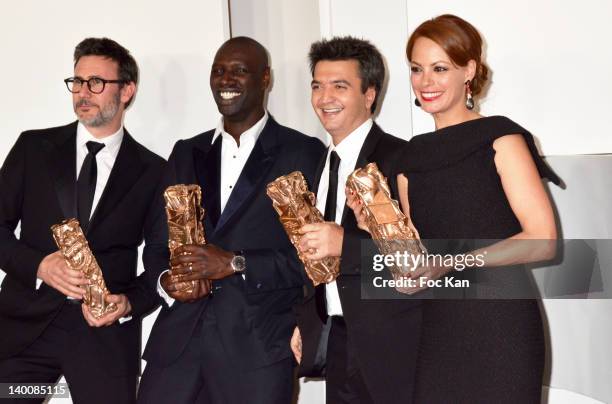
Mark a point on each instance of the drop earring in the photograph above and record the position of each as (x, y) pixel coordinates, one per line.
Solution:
(469, 101)
(417, 102)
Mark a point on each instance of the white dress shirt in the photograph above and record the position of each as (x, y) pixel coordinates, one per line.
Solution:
(105, 160)
(233, 159)
(348, 151)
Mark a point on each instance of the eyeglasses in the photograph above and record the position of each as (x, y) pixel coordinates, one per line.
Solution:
(95, 84)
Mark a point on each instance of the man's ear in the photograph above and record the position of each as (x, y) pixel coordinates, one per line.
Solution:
(266, 77)
(370, 96)
(127, 92)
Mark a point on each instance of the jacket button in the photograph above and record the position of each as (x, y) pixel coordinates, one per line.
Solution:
(258, 286)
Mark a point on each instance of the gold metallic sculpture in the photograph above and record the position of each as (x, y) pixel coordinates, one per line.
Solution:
(389, 227)
(295, 205)
(74, 247)
(185, 226)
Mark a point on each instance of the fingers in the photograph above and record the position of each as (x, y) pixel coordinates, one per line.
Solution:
(188, 277)
(296, 345)
(175, 286)
(183, 269)
(190, 249)
(74, 277)
(87, 315)
(67, 288)
(78, 295)
(117, 299)
(316, 253)
(312, 227)
(108, 318)
(90, 319)
(185, 259)
(307, 243)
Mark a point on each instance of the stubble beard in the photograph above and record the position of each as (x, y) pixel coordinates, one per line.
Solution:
(104, 115)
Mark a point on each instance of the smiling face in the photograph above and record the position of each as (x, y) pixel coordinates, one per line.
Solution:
(238, 79)
(437, 82)
(100, 112)
(337, 97)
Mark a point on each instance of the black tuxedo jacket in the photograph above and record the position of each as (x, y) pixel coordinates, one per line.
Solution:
(253, 314)
(382, 334)
(38, 189)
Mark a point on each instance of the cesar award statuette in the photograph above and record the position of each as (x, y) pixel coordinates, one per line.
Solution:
(295, 205)
(388, 225)
(185, 226)
(71, 241)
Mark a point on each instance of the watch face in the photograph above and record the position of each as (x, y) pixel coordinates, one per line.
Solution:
(238, 263)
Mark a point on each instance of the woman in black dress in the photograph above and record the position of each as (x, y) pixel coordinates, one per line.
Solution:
(475, 177)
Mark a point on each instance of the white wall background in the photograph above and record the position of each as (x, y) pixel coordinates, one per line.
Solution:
(550, 62)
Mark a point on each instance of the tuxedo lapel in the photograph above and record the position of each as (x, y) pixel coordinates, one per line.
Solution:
(125, 172)
(369, 145)
(61, 162)
(207, 163)
(257, 166)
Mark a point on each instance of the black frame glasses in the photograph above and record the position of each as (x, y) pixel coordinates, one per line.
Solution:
(75, 84)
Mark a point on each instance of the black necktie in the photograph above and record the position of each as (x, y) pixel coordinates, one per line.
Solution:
(329, 216)
(332, 190)
(86, 183)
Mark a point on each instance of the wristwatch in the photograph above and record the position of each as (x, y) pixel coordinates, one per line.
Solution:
(238, 263)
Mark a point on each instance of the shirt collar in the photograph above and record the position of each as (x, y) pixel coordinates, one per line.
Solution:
(348, 149)
(251, 134)
(111, 143)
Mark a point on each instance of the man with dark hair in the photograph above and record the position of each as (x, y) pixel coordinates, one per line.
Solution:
(93, 170)
(366, 349)
(231, 345)
(127, 69)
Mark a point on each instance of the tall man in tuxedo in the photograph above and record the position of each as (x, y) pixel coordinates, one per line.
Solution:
(95, 171)
(231, 346)
(366, 348)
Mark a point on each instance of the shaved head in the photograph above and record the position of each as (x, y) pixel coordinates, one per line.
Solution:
(257, 52)
(239, 80)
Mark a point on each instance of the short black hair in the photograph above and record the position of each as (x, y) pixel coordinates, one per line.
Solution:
(105, 47)
(371, 65)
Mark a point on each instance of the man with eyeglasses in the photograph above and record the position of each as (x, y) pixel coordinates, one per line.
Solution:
(93, 170)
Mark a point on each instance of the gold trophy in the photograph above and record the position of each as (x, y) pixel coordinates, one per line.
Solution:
(295, 206)
(185, 226)
(389, 227)
(71, 241)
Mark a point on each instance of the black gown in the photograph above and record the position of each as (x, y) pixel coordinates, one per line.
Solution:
(472, 351)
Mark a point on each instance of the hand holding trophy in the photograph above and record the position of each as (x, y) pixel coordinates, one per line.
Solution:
(381, 216)
(295, 205)
(185, 227)
(73, 245)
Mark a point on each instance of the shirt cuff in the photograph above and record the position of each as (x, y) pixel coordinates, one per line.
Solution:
(169, 300)
(125, 319)
(38, 283)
